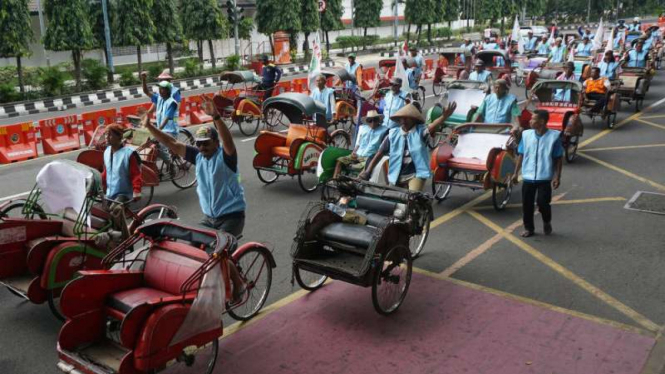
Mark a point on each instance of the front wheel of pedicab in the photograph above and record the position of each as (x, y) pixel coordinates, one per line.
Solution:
(267, 176)
(437, 88)
(147, 193)
(307, 179)
(570, 149)
(501, 193)
(248, 125)
(392, 277)
(419, 238)
(255, 268)
(307, 280)
(53, 299)
(340, 139)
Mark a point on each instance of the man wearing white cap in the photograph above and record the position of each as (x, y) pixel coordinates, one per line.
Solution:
(480, 74)
(558, 52)
(165, 109)
(394, 100)
(636, 25)
(584, 48)
(499, 106)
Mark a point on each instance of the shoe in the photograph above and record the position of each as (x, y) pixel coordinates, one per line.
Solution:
(527, 233)
(547, 228)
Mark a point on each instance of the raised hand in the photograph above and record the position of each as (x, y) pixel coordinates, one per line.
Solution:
(209, 106)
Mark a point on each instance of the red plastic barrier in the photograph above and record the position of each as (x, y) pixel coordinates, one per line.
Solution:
(60, 134)
(429, 69)
(17, 143)
(134, 110)
(90, 121)
(183, 113)
(282, 87)
(300, 85)
(197, 116)
(369, 79)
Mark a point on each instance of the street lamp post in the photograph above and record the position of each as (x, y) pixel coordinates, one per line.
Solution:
(107, 36)
(395, 13)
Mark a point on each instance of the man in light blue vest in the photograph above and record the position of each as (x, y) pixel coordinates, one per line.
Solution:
(608, 67)
(543, 47)
(355, 71)
(530, 42)
(420, 63)
(122, 168)
(480, 74)
(499, 106)
(394, 100)
(165, 108)
(558, 52)
(540, 160)
(324, 95)
(221, 195)
(637, 57)
(636, 25)
(406, 147)
(584, 48)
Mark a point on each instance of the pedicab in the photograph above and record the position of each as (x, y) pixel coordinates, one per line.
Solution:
(477, 156)
(345, 99)
(367, 246)
(153, 169)
(296, 153)
(563, 101)
(161, 304)
(65, 225)
(239, 100)
(491, 60)
(468, 95)
(443, 75)
(634, 85)
(526, 68)
(612, 105)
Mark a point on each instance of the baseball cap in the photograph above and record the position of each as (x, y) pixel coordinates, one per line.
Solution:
(206, 133)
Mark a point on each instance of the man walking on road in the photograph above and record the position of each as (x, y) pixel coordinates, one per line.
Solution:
(270, 75)
(540, 160)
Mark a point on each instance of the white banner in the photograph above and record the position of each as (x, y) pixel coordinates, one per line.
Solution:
(315, 63)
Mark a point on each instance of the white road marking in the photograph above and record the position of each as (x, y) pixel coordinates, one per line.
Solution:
(655, 104)
(14, 196)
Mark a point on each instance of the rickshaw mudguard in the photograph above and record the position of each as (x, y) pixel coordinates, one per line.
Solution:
(85, 328)
(247, 107)
(14, 235)
(40, 249)
(92, 158)
(501, 165)
(260, 246)
(344, 110)
(66, 259)
(441, 155)
(36, 293)
(90, 291)
(153, 349)
(149, 176)
(307, 156)
(134, 320)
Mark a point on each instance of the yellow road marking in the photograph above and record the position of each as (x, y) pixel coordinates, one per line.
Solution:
(607, 131)
(654, 117)
(624, 172)
(526, 300)
(624, 147)
(561, 202)
(454, 213)
(609, 300)
(651, 124)
(486, 246)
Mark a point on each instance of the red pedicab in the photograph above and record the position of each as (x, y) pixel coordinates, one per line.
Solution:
(445, 74)
(161, 304)
(492, 58)
(63, 226)
(477, 156)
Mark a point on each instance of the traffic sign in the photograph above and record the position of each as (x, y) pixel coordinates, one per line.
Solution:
(322, 6)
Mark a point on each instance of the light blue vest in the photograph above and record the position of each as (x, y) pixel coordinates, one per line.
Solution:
(162, 107)
(325, 97)
(634, 27)
(498, 110)
(648, 44)
(608, 70)
(557, 54)
(219, 188)
(544, 49)
(419, 65)
(468, 48)
(637, 59)
(352, 71)
(369, 140)
(538, 164)
(118, 182)
(393, 103)
(482, 77)
(417, 149)
(530, 44)
(584, 50)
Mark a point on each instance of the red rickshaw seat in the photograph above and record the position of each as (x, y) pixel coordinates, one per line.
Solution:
(125, 301)
(467, 163)
(307, 133)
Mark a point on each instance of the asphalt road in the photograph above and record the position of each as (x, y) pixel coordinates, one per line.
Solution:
(602, 260)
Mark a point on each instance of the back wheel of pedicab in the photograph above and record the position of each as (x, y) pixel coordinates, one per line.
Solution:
(419, 237)
(501, 193)
(53, 299)
(248, 125)
(255, 268)
(147, 193)
(340, 139)
(185, 173)
(421, 96)
(22, 209)
(274, 118)
(308, 180)
(308, 280)
(391, 279)
(437, 88)
(571, 148)
(185, 136)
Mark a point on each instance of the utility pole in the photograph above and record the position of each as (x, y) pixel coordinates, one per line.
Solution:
(235, 16)
(353, 12)
(107, 36)
(42, 30)
(588, 12)
(395, 15)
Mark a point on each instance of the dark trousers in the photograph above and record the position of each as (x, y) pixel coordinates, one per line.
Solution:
(536, 192)
(268, 88)
(600, 101)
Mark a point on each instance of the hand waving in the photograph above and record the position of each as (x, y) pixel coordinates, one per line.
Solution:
(450, 109)
(209, 106)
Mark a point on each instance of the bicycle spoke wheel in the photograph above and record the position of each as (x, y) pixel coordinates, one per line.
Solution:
(54, 304)
(571, 148)
(254, 267)
(146, 197)
(275, 118)
(308, 180)
(185, 173)
(201, 359)
(391, 280)
(437, 88)
(248, 125)
(20, 209)
(308, 280)
(419, 237)
(340, 139)
(501, 194)
(441, 190)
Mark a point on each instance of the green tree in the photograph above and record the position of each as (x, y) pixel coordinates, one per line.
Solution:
(277, 15)
(133, 25)
(245, 28)
(16, 33)
(331, 19)
(419, 13)
(203, 21)
(169, 30)
(309, 20)
(97, 24)
(68, 30)
(367, 14)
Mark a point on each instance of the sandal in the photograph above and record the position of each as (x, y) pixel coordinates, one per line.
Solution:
(527, 234)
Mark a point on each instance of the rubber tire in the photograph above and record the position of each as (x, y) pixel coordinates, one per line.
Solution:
(340, 137)
(264, 180)
(571, 156)
(302, 184)
(426, 228)
(169, 213)
(501, 205)
(249, 130)
(301, 283)
(39, 211)
(422, 97)
(189, 138)
(610, 120)
(437, 89)
(377, 276)
(147, 194)
(192, 169)
(264, 252)
(55, 310)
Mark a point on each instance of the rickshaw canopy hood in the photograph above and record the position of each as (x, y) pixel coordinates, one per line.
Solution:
(296, 105)
(341, 73)
(239, 76)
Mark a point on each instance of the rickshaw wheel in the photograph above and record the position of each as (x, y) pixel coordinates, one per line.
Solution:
(309, 281)
(392, 279)
(248, 128)
(340, 139)
(571, 148)
(421, 96)
(440, 191)
(185, 136)
(54, 305)
(211, 349)
(501, 194)
(437, 88)
(185, 173)
(417, 241)
(304, 181)
(266, 176)
(146, 197)
(254, 267)
(274, 118)
(15, 210)
(154, 213)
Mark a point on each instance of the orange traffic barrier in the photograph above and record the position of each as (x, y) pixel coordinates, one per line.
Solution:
(133, 110)
(281, 87)
(90, 121)
(183, 113)
(369, 79)
(60, 134)
(196, 115)
(17, 142)
(429, 69)
(300, 85)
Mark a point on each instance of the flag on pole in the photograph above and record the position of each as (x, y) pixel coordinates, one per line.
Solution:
(598, 37)
(515, 35)
(315, 63)
(550, 41)
(571, 56)
(399, 67)
(610, 41)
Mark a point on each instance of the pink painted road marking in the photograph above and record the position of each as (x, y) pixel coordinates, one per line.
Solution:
(441, 328)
